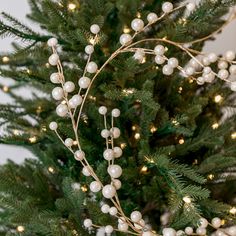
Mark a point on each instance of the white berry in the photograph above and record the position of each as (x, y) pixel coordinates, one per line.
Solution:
(117, 152)
(105, 208)
(167, 7)
(116, 183)
(159, 59)
(84, 82)
(115, 132)
(233, 86)
(173, 62)
(167, 70)
(57, 93)
(189, 230)
(216, 222)
(152, 17)
(212, 57)
(52, 42)
(95, 186)
(168, 232)
(79, 155)
(92, 67)
(201, 231)
(105, 133)
(159, 50)
(69, 142)
(189, 71)
(190, 7)
(148, 233)
(69, 86)
(136, 216)
(75, 101)
(123, 227)
(115, 112)
(113, 211)
(61, 110)
(55, 78)
(203, 222)
(95, 29)
(230, 55)
(53, 125)
(139, 55)
(102, 110)
(53, 59)
(232, 70)
(108, 191)
(108, 154)
(89, 49)
(88, 223)
(137, 24)
(223, 74)
(86, 171)
(222, 65)
(200, 80)
(125, 39)
(115, 171)
(209, 78)
(108, 229)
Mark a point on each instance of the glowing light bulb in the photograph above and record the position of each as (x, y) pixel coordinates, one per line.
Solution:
(5, 59)
(210, 176)
(233, 135)
(71, 6)
(181, 141)
(144, 169)
(123, 145)
(20, 228)
(187, 199)
(215, 126)
(33, 139)
(232, 210)
(153, 129)
(218, 98)
(137, 136)
(51, 169)
(5, 89)
(84, 188)
(138, 15)
(126, 29)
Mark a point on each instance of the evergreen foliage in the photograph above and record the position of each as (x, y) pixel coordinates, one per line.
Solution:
(50, 196)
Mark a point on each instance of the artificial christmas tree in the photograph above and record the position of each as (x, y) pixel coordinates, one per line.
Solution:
(167, 163)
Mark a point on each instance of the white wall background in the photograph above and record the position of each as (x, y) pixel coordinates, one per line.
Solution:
(18, 8)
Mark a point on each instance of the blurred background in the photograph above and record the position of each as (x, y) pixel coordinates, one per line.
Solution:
(19, 8)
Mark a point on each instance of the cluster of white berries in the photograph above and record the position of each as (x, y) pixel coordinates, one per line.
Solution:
(64, 93)
(61, 92)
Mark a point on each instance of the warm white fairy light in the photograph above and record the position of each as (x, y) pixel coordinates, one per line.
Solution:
(233, 135)
(126, 29)
(211, 176)
(153, 129)
(232, 211)
(137, 136)
(5, 89)
(215, 126)
(218, 98)
(51, 169)
(84, 188)
(123, 145)
(71, 6)
(33, 139)
(187, 199)
(5, 59)
(181, 141)
(144, 169)
(20, 228)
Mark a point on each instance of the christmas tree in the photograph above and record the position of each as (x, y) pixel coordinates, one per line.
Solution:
(125, 120)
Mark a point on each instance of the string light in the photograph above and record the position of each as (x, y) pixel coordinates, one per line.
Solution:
(16, 132)
(5, 89)
(175, 122)
(187, 199)
(137, 136)
(47, 65)
(144, 169)
(190, 80)
(195, 162)
(215, 126)
(232, 210)
(5, 59)
(233, 135)
(92, 98)
(153, 129)
(138, 14)
(28, 71)
(39, 110)
(218, 98)
(128, 91)
(144, 60)
(51, 169)
(126, 29)
(180, 90)
(84, 188)
(44, 128)
(71, 6)
(123, 145)
(134, 127)
(75, 142)
(210, 176)
(33, 139)
(223, 222)
(181, 141)
(20, 228)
